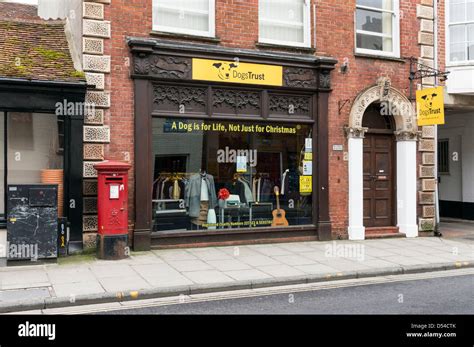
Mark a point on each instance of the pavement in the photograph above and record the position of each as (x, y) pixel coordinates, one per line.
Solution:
(457, 229)
(82, 280)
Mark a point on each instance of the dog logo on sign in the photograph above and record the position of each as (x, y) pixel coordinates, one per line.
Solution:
(224, 69)
(429, 99)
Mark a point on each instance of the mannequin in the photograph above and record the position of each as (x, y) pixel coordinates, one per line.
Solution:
(200, 198)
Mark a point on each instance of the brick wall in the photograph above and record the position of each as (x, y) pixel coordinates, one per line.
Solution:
(237, 26)
(335, 37)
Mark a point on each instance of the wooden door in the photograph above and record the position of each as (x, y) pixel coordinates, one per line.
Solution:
(378, 180)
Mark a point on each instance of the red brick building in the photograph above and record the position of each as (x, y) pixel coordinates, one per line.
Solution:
(338, 66)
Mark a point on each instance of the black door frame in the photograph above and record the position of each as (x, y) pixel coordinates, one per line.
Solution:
(18, 95)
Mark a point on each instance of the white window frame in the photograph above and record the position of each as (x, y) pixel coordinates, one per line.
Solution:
(306, 29)
(395, 31)
(177, 30)
(448, 24)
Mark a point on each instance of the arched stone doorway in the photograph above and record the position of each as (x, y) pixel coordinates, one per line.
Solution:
(395, 105)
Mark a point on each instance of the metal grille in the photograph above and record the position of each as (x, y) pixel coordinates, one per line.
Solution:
(443, 156)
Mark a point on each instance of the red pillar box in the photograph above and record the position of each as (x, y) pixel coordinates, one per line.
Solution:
(112, 208)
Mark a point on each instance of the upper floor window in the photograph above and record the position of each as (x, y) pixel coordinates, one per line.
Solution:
(285, 22)
(192, 17)
(377, 27)
(460, 30)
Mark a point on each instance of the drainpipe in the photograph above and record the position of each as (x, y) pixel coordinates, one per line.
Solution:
(435, 48)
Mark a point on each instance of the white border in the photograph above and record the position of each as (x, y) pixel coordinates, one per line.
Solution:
(447, 39)
(177, 30)
(306, 29)
(395, 34)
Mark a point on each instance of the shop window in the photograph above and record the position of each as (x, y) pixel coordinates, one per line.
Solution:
(192, 17)
(60, 147)
(33, 145)
(443, 156)
(377, 27)
(222, 175)
(460, 18)
(285, 22)
(30, 145)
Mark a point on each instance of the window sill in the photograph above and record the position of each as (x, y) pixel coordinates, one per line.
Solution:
(300, 49)
(379, 57)
(163, 34)
(463, 64)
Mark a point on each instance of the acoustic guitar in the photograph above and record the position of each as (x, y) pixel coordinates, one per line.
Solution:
(279, 219)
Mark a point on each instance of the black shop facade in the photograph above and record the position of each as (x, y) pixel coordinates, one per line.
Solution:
(231, 146)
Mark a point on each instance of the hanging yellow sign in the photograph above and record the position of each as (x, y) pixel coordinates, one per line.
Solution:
(430, 106)
(306, 184)
(237, 72)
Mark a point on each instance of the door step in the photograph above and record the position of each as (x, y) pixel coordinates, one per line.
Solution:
(382, 232)
(384, 236)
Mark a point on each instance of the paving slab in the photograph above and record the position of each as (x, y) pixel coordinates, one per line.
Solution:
(273, 250)
(170, 255)
(70, 275)
(152, 270)
(24, 294)
(245, 275)
(78, 288)
(293, 260)
(190, 265)
(259, 260)
(402, 260)
(169, 281)
(316, 269)
(296, 247)
(280, 270)
(229, 265)
(116, 284)
(119, 270)
(23, 277)
(239, 251)
(207, 277)
(209, 254)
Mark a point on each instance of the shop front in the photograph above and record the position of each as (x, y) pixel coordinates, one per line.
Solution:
(42, 106)
(231, 145)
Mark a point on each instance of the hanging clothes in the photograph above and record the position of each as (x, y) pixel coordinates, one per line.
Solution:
(246, 192)
(193, 192)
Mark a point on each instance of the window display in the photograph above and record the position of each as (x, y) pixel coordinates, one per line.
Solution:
(212, 175)
(30, 151)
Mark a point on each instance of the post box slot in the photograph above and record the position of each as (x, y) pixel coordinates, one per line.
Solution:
(114, 179)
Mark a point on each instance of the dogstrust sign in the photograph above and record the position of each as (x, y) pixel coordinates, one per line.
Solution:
(237, 72)
(430, 106)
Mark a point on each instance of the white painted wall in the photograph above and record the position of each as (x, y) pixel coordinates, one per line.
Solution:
(468, 160)
(356, 229)
(460, 80)
(406, 188)
(71, 11)
(459, 184)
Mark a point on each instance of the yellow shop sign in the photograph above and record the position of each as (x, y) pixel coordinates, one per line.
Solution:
(430, 106)
(237, 72)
